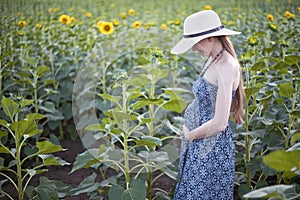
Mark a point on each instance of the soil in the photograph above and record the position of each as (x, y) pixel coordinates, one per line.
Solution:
(62, 173)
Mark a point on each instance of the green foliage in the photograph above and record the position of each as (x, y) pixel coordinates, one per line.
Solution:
(134, 123)
(40, 64)
(287, 162)
(23, 131)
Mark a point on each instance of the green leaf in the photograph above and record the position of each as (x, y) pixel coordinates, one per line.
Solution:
(283, 161)
(55, 116)
(260, 34)
(41, 70)
(2, 134)
(258, 66)
(9, 107)
(31, 60)
(115, 192)
(156, 74)
(50, 159)
(270, 191)
(46, 147)
(24, 103)
(94, 127)
(121, 116)
(295, 137)
(85, 159)
(135, 93)
(49, 189)
(281, 67)
(3, 122)
(52, 113)
(34, 116)
(138, 81)
(175, 91)
(286, 89)
(295, 113)
(148, 141)
(146, 102)
(88, 185)
(155, 156)
(290, 60)
(250, 91)
(137, 191)
(111, 98)
(25, 127)
(175, 105)
(4, 150)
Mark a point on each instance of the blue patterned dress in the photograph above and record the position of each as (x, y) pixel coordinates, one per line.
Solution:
(206, 166)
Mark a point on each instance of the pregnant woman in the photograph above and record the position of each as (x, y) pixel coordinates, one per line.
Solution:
(207, 160)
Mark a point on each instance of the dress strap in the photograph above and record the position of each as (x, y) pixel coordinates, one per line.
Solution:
(213, 60)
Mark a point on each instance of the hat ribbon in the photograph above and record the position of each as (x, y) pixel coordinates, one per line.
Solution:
(204, 32)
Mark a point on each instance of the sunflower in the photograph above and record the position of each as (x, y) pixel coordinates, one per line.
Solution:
(147, 26)
(88, 14)
(131, 12)
(252, 41)
(231, 23)
(177, 22)
(273, 27)
(22, 23)
(99, 23)
(163, 26)
(106, 28)
(207, 7)
(65, 19)
(21, 33)
(136, 24)
(115, 22)
(72, 19)
(123, 15)
(38, 26)
(289, 15)
(298, 9)
(270, 18)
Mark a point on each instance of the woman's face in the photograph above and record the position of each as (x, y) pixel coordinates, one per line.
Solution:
(202, 47)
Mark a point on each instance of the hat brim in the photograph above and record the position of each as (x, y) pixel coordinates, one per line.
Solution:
(186, 43)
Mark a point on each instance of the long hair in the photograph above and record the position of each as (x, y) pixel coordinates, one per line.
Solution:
(237, 104)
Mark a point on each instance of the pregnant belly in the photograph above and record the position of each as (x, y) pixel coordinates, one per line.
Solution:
(192, 116)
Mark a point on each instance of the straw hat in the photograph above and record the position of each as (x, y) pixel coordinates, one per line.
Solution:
(199, 26)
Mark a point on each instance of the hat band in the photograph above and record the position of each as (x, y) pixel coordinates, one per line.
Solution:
(204, 32)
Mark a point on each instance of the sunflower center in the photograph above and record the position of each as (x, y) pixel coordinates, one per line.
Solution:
(106, 28)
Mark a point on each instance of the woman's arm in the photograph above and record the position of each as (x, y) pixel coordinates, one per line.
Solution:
(225, 77)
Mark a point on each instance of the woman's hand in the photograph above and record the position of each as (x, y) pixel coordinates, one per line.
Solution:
(187, 133)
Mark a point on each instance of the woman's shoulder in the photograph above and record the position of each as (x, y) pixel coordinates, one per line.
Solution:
(228, 71)
(229, 65)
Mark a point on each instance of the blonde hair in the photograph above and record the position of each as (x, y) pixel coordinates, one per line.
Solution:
(237, 105)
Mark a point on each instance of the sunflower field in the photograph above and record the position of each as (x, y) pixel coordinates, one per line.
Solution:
(92, 99)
